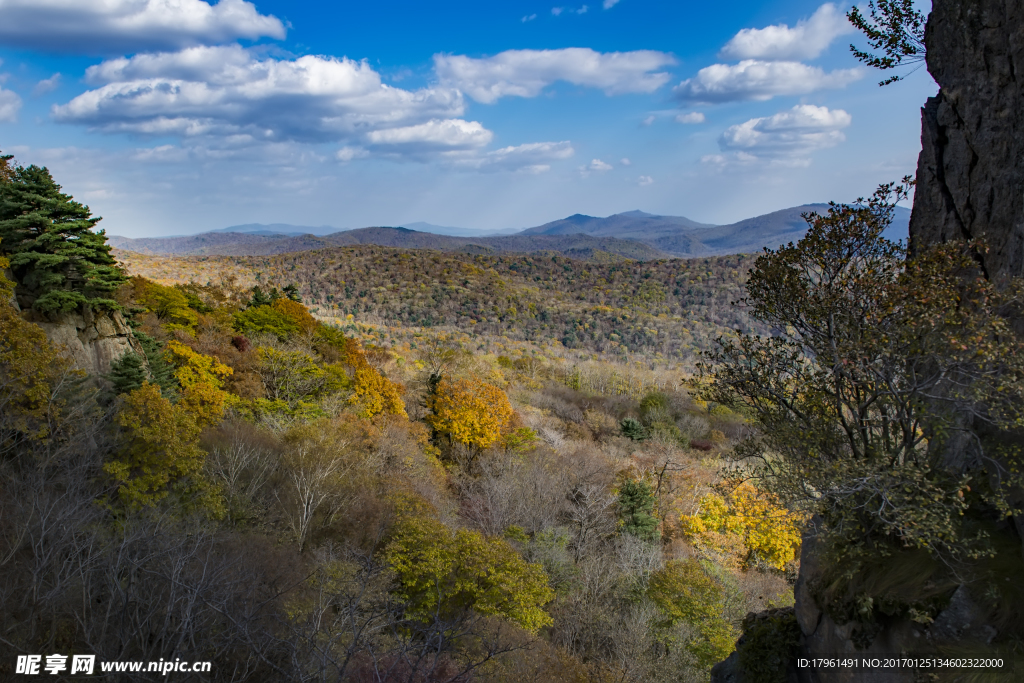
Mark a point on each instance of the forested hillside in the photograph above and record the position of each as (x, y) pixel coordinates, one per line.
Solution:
(666, 309)
(292, 499)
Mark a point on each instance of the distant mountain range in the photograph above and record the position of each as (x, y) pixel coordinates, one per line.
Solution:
(633, 234)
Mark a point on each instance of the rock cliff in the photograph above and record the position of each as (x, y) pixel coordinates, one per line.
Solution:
(970, 174)
(970, 185)
(93, 339)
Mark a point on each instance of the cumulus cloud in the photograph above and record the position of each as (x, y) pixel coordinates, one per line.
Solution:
(808, 39)
(598, 165)
(532, 157)
(690, 117)
(529, 17)
(644, 180)
(10, 104)
(625, 162)
(754, 79)
(46, 85)
(608, 4)
(786, 137)
(228, 93)
(648, 120)
(434, 135)
(525, 73)
(106, 26)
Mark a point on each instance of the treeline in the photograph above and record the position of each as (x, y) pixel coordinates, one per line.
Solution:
(662, 309)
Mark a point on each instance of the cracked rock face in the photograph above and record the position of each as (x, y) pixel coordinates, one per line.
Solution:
(93, 340)
(970, 175)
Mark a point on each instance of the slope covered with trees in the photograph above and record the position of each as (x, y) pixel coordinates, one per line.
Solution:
(263, 490)
(667, 309)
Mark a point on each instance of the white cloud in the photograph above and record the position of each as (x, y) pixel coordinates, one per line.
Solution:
(753, 79)
(608, 4)
(46, 85)
(529, 17)
(582, 10)
(648, 120)
(691, 117)
(106, 26)
(786, 137)
(532, 157)
(644, 180)
(449, 134)
(557, 11)
(10, 104)
(598, 165)
(808, 39)
(525, 73)
(229, 94)
(349, 153)
(625, 162)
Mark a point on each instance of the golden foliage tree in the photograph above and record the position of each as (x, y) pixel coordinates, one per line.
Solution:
(443, 573)
(169, 304)
(161, 452)
(471, 412)
(746, 525)
(30, 367)
(686, 594)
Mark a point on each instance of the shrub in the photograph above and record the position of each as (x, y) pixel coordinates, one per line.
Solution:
(633, 429)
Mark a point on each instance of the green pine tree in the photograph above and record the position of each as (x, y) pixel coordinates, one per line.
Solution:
(636, 508)
(161, 371)
(55, 255)
(633, 429)
(292, 292)
(127, 373)
(259, 298)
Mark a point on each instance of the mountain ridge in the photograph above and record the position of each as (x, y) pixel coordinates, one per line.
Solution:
(632, 234)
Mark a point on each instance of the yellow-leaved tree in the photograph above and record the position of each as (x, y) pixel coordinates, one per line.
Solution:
(161, 451)
(371, 391)
(444, 573)
(202, 380)
(30, 370)
(687, 594)
(471, 412)
(745, 525)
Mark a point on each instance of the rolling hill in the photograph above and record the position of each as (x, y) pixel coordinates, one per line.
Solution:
(264, 244)
(633, 234)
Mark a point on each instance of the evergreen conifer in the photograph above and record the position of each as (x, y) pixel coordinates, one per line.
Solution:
(636, 508)
(633, 429)
(127, 373)
(55, 255)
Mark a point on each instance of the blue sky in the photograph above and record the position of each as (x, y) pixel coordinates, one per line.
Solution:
(177, 116)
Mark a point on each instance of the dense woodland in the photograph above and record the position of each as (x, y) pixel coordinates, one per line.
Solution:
(260, 488)
(375, 464)
(664, 310)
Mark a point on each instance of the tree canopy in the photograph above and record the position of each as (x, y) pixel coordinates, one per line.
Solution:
(877, 397)
(58, 260)
(896, 28)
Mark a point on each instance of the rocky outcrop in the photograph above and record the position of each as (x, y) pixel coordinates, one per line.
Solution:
(970, 174)
(93, 339)
(970, 185)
